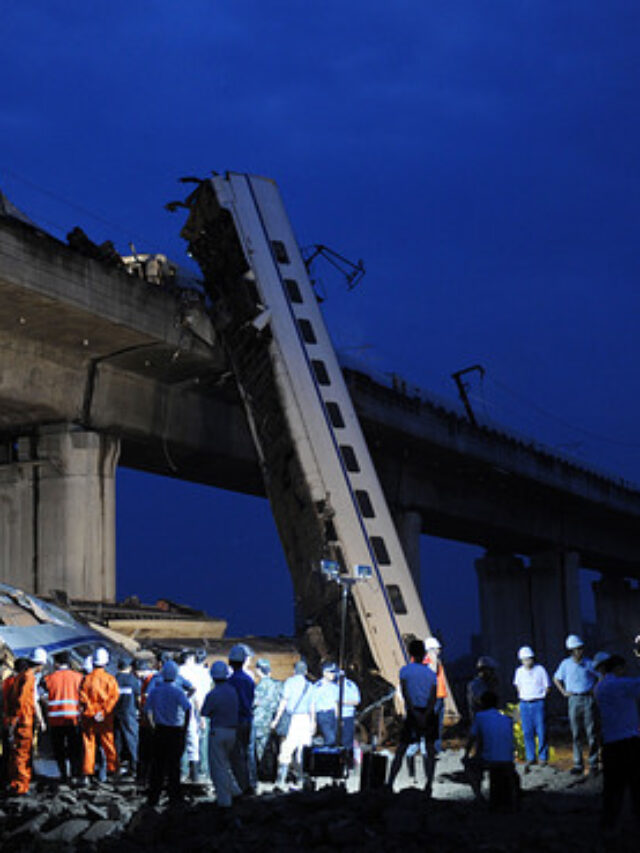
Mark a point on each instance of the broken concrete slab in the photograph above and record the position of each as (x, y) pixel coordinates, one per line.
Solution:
(29, 827)
(101, 829)
(68, 831)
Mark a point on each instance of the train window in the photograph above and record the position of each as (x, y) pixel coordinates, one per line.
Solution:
(366, 507)
(335, 415)
(280, 252)
(321, 372)
(349, 458)
(380, 550)
(293, 290)
(396, 599)
(306, 330)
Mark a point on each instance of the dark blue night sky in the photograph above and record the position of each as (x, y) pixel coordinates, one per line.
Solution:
(481, 157)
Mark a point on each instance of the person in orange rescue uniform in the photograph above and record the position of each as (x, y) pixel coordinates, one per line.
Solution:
(21, 715)
(98, 696)
(63, 714)
(432, 659)
(7, 677)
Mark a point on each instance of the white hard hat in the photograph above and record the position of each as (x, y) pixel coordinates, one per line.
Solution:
(432, 643)
(87, 663)
(100, 657)
(39, 656)
(573, 641)
(525, 652)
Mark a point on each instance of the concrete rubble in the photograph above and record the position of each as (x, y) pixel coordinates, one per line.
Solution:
(557, 814)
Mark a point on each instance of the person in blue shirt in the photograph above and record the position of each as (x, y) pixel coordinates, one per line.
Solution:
(617, 698)
(324, 696)
(126, 715)
(491, 740)
(418, 688)
(167, 709)
(245, 687)
(221, 707)
(575, 678)
(350, 700)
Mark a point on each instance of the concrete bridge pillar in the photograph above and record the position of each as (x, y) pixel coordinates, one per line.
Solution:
(536, 605)
(409, 527)
(505, 613)
(617, 614)
(555, 604)
(57, 514)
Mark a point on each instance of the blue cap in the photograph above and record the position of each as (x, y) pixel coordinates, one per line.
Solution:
(170, 671)
(238, 653)
(219, 671)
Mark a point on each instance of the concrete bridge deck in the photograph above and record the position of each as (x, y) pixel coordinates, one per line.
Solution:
(85, 345)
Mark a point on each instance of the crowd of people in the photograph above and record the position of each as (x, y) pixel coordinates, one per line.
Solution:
(162, 720)
(603, 712)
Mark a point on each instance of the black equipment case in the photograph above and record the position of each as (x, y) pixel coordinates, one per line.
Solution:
(331, 761)
(373, 772)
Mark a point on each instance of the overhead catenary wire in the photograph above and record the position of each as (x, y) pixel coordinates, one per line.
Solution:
(559, 419)
(129, 235)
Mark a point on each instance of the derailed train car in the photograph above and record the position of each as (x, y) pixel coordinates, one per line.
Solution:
(28, 622)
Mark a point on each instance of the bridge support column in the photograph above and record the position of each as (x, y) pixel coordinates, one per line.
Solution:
(536, 605)
(58, 514)
(409, 527)
(505, 614)
(555, 604)
(617, 614)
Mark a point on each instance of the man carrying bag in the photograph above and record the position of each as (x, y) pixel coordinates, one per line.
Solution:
(296, 704)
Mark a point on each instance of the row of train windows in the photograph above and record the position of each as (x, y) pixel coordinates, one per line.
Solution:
(335, 416)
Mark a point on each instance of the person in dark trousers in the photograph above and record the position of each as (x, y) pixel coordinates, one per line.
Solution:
(486, 681)
(167, 709)
(491, 737)
(62, 701)
(418, 687)
(145, 671)
(126, 715)
(324, 697)
(617, 699)
(221, 708)
(245, 687)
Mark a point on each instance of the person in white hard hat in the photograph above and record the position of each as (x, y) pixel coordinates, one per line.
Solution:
(434, 660)
(99, 693)
(575, 678)
(532, 683)
(21, 713)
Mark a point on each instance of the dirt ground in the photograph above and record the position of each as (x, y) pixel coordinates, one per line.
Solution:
(558, 813)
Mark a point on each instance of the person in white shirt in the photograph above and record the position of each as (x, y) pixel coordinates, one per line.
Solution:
(297, 703)
(532, 682)
(200, 680)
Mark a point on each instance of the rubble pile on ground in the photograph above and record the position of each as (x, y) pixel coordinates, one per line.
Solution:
(108, 819)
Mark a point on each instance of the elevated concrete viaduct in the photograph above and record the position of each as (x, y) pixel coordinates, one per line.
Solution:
(99, 367)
